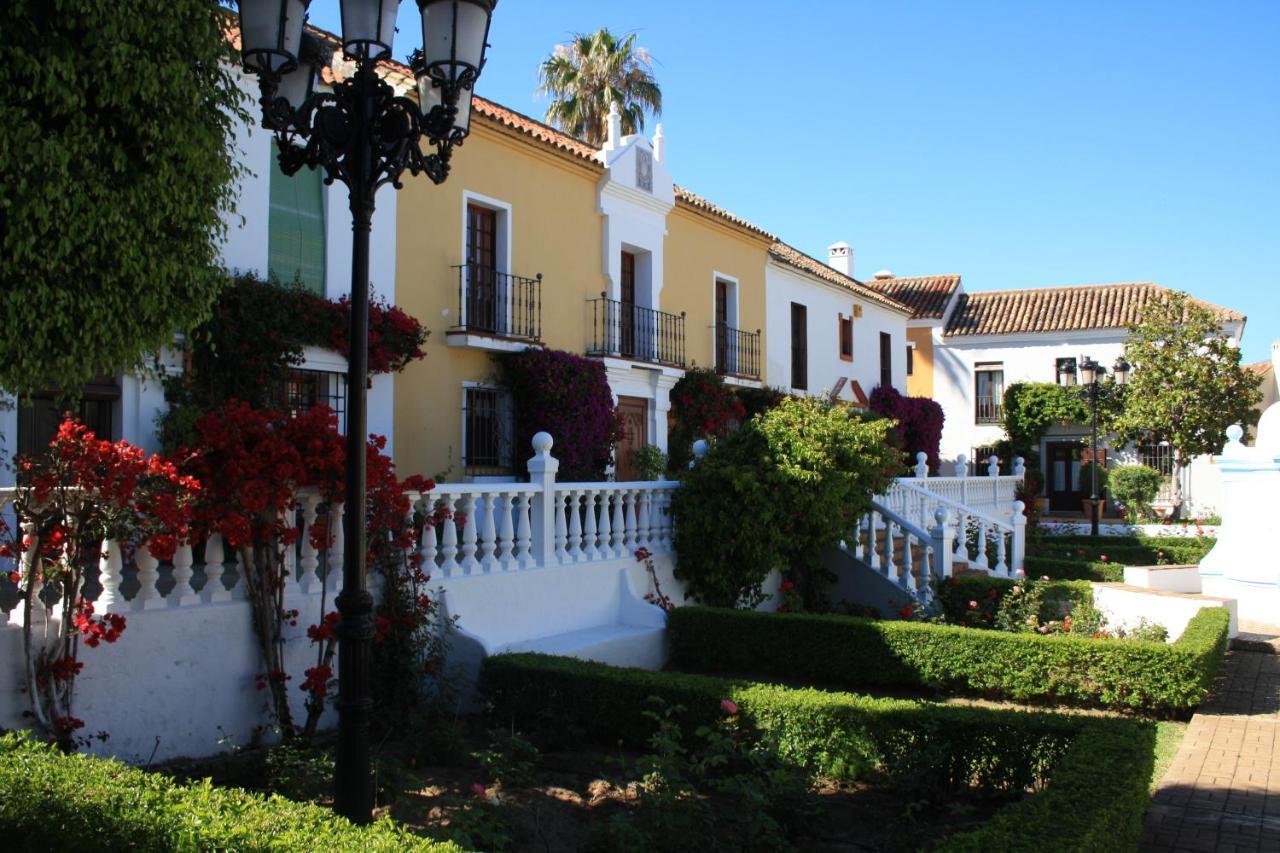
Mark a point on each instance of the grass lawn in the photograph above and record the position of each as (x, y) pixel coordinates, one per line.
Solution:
(1169, 735)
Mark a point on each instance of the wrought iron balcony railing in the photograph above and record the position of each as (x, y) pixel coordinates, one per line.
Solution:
(737, 352)
(626, 330)
(989, 410)
(498, 303)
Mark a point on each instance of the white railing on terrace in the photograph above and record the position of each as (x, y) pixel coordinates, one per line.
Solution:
(989, 540)
(474, 528)
(995, 491)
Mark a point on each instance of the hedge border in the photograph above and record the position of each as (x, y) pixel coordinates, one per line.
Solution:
(51, 801)
(1098, 771)
(849, 652)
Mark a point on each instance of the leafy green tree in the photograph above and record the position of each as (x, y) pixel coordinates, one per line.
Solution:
(770, 496)
(1030, 408)
(118, 173)
(1187, 384)
(593, 71)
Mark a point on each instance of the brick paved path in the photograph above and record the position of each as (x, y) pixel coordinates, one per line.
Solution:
(1222, 791)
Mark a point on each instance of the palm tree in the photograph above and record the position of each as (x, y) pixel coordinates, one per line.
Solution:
(587, 75)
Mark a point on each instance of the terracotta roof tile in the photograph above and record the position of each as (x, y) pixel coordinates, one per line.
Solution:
(793, 257)
(1058, 309)
(1259, 368)
(697, 201)
(927, 296)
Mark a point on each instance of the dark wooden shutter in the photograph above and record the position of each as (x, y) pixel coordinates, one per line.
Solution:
(627, 310)
(886, 360)
(295, 228)
(482, 264)
(799, 346)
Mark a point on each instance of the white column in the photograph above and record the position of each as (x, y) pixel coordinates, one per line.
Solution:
(942, 534)
(542, 474)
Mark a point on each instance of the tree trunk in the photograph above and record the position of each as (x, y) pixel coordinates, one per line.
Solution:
(1175, 487)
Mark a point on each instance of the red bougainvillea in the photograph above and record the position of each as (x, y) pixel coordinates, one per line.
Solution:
(703, 407)
(69, 498)
(567, 396)
(919, 423)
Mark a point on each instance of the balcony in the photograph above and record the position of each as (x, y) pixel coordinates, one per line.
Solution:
(496, 310)
(626, 330)
(989, 410)
(737, 352)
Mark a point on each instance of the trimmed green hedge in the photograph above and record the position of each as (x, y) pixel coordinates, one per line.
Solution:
(1131, 550)
(1156, 678)
(1093, 774)
(1071, 568)
(51, 801)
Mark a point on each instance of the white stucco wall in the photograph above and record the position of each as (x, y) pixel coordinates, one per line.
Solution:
(825, 302)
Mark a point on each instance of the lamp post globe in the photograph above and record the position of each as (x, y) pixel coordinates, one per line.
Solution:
(364, 135)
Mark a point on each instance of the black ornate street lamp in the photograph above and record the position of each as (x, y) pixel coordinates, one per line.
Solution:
(365, 136)
(1091, 374)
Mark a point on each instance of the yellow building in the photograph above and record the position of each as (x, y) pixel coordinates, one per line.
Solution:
(538, 239)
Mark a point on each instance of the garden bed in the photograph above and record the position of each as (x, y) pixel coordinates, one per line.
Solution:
(1149, 677)
(1072, 782)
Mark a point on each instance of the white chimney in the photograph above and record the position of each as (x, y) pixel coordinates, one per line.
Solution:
(659, 145)
(614, 138)
(840, 258)
(884, 275)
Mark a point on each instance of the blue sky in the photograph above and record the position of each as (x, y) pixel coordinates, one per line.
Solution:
(1019, 144)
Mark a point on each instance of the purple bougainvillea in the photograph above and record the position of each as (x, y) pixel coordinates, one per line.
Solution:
(567, 396)
(919, 422)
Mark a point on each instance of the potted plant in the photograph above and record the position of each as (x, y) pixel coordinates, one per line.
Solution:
(1086, 487)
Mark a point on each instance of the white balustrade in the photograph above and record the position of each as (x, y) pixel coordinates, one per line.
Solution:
(309, 562)
(148, 597)
(215, 590)
(183, 594)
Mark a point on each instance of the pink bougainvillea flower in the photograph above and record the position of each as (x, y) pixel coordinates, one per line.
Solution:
(479, 790)
(973, 605)
(1103, 558)
(728, 706)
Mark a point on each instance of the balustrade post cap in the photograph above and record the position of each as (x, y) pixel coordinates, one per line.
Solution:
(993, 459)
(941, 515)
(542, 442)
(1235, 432)
(921, 456)
(961, 459)
(700, 448)
(1019, 510)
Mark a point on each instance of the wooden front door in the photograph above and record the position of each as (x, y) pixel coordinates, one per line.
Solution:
(627, 310)
(483, 304)
(634, 414)
(1062, 475)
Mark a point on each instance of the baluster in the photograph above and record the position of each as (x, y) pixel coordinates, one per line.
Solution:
(503, 505)
(980, 560)
(606, 526)
(643, 511)
(873, 547)
(337, 530)
(411, 529)
(619, 526)
(289, 565)
(449, 538)
(214, 568)
(908, 562)
(890, 564)
(668, 528)
(561, 529)
(961, 551)
(488, 532)
(573, 545)
(1002, 568)
(524, 553)
(183, 593)
(589, 549)
(310, 562)
(110, 565)
(428, 549)
(148, 597)
(629, 522)
(467, 548)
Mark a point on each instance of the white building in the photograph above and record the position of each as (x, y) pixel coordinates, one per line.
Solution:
(831, 335)
(981, 343)
(283, 226)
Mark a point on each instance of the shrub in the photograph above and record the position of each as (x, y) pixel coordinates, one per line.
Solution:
(703, 407)
(1055, 599)
(919, 423)
(1030, 408)
(1135, 487)
(541, 381)
(757, 401)
(650, 462)
(1063, 568)
(50, 802)
(1093, 775)
(772, 495)
(1086, 478)
(1152, 677)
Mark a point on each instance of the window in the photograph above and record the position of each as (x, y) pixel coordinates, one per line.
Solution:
(483, 299)
(846, 338)
(799, 347)
(303, 390)
(40, 416)
(988, 393)
(911, 360)
(295, 228)
(488, 427)
(886, 360)
(980, 458)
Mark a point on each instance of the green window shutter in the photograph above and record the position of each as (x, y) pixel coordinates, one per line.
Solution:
(295, 228)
